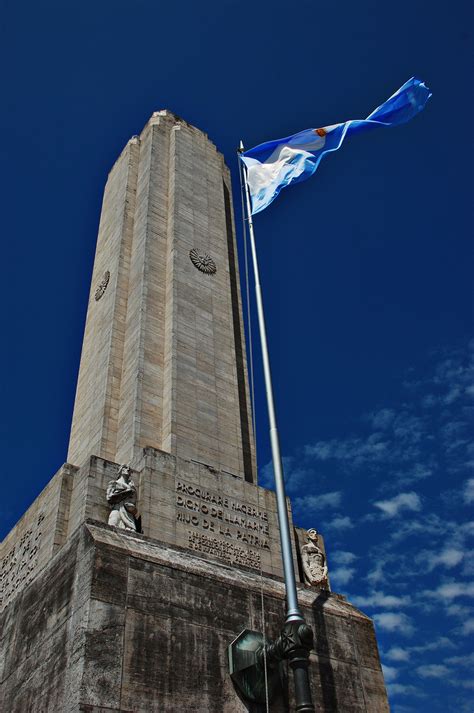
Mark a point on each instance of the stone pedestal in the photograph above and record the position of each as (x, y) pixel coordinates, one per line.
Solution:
(122, 622)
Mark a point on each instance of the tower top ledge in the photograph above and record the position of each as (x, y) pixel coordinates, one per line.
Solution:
(169, 116)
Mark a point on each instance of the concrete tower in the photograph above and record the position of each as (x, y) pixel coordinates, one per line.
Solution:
(153, 547)
(163, 362)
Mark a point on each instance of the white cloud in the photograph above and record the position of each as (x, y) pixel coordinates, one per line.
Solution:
(397, 653)
(394, 621)
(399, 708)
(317, 502)
(297, 476)
(459, 610)
(377, 573)
(381, 600)
(400, 689)
(469, 491)
(442, 642)
(355, 451)
(343, 557)
(383, 418)
(432, 670)
(452, 590)
(418, 471)
(340, 576)
(467, 660)
(389, 673)
(402, 501)
(449, 557)
(340, 523)
(468, 627)
(402, 654)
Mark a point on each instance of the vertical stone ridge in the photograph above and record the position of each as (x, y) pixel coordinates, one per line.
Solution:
(114, 377)
(170, 368)
(132, 376)
(239, 340)
(103, 338)
(140, 416)
(62, 513)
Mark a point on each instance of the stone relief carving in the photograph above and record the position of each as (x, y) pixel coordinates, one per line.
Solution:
(204, 263)
(18, 566)
(102, 286)
(314, 561)
(122, 497)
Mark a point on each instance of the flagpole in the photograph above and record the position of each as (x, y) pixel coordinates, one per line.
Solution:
(293, 611)
(296, 639)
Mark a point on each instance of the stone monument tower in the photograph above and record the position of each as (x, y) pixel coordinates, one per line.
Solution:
(153, 547)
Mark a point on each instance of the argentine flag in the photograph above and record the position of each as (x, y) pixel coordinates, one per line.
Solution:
(275, 164)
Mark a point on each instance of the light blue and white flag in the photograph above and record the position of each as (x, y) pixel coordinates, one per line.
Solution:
(275, 164)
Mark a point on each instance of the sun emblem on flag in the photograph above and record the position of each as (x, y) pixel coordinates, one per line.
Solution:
(204, 263)
(320, 132)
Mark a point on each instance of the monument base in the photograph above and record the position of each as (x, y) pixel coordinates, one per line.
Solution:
(121, 622)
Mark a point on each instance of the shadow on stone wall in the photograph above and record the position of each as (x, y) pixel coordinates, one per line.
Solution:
(326, 675)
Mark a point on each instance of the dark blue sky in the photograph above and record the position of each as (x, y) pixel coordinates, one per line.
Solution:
(366, 272)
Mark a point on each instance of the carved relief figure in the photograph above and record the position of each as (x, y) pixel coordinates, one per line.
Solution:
(122, 496)
(314, 561)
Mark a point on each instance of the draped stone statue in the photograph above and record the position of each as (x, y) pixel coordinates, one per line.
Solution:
(314, 561)
(122, 497)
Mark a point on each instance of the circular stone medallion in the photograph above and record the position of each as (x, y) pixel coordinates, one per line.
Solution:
(204, 263)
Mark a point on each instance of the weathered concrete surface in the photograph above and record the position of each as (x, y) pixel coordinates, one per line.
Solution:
(120, 622)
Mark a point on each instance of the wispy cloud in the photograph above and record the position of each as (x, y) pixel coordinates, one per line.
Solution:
(432, 670)
(340, 576)
(390, 673)
(343, 557)
(402, 501)
(380, 600)
(452, 590)
(469, 491)
(390, 495)
(298, 475)
(467, 660)
(317, 502)
(406, 653)
(448, 557)
(397, 653)
(467, 627)
(340, 522)
(402, 689)
(394, 622)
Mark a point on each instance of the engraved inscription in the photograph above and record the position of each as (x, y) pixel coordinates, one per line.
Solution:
(227, 551)
(242, 526)
(18, 565)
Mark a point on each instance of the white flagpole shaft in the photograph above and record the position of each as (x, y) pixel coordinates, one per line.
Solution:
(293, 611)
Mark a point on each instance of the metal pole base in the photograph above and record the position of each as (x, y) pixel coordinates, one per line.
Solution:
(247, 668)
(304, 703)
(248, 655)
